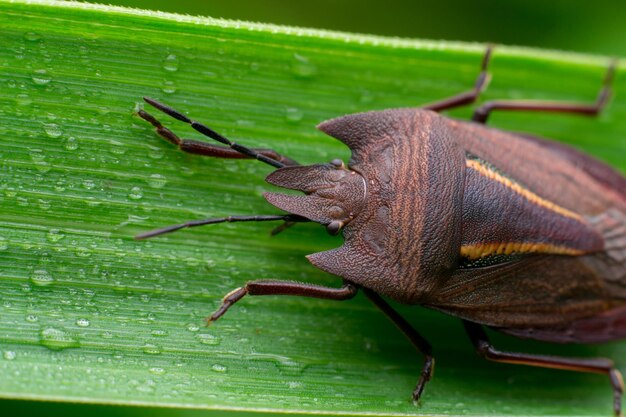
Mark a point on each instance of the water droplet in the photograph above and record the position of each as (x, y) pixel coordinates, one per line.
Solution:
(159, 333)
(9, 355)
(218, 368)
(156, 370)
(3, 243)
(32, 36)
(136, 193)
(71, 144)
(89, 184)
(82, 252)
(41, 277)
(37, 155)
(43, 204)
(208, 339)
(302, 67)
(55, 338)
(168, 87)
(294, 384)
(157, 181)
(23, 99)
(53, 130)
(170, 63)
(31, 318)
(151, 349)
(192, 327)
(41, 77)
(83, 322)
(293, 114)
(118, 148)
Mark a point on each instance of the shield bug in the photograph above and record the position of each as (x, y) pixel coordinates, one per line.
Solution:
(510, 231)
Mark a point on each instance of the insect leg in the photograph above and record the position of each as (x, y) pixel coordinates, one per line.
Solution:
(481, 114)
(273, 287)
(414, 337)
(198, 148)
(467, 97)
(597, 365)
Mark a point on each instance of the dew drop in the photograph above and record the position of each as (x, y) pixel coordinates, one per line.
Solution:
(32, 36)
(53, 130)
(71, 144)
(41, 278)
(170, 63)
(293, 115)
(159, 333)
(9, 355)
(32, 318)
(23, 99)
(55, 338)
(83, 252)
(89, 184)
(168, 87)
(37, 155)
(54, 235)
(156, 370)
(151, 349)
(157, 181)
(41, 77)
(208, 339)
(43, 204)
(218, 368)
(83, 322)
(3, 243)
(136, 193)
(302, 67)
(117, 148)
(192, 327)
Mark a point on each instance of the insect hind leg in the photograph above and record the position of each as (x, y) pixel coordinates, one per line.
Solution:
(466, 97)
(481, 114)
(595, 365)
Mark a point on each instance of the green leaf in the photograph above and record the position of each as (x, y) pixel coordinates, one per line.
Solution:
(87, 314)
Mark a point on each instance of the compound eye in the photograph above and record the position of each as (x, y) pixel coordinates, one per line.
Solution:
(337, 163)
(333, 228)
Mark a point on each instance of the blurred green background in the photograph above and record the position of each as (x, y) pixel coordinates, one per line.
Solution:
(576, 25)
(597, 26)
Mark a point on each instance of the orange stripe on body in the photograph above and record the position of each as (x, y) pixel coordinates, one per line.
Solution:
(518, 189)
(480, 250)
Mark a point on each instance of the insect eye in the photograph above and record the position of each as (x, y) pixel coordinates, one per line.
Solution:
(333, 228)
(337, 163)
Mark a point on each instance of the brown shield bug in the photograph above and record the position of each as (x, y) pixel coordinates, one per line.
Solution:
(514, 232)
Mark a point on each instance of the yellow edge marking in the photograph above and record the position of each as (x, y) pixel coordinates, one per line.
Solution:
(480, 250)
(515, 187)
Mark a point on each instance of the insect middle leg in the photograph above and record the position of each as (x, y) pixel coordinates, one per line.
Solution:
(481, 114)
(420, 343)
(596, 365)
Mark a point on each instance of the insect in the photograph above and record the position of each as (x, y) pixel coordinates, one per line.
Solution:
(505, 230)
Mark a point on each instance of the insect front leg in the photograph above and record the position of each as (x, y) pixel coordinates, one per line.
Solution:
(481, 114)
(467, 97)
(274, 287)
(596, 365)
(232, 150)
(414, 337)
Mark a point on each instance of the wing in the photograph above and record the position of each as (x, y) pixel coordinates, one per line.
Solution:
(547, 291)
(536, 291)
